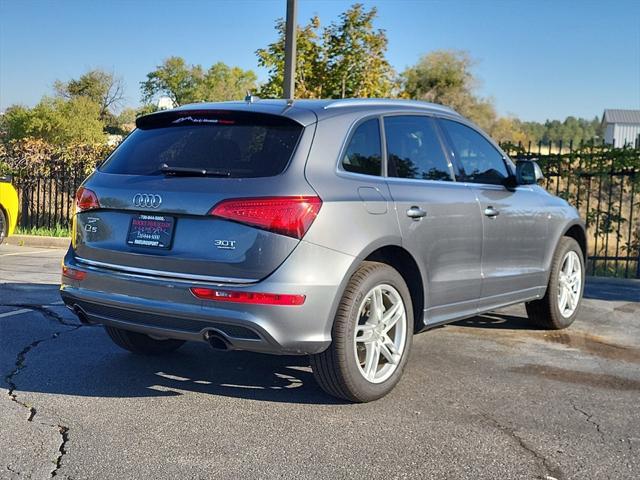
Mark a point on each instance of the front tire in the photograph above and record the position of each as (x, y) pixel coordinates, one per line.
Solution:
(372, 334)
(561, 303)
(140, 343)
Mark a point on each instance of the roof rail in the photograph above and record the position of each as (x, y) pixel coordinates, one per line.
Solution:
(372, 102)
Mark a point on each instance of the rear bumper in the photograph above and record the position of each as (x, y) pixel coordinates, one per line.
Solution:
(166, 308)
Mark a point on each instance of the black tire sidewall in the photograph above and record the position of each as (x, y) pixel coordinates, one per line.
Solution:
(4, 225)
(566, 245)
(367, 391)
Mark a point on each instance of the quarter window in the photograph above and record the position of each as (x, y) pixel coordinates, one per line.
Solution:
(480, 160)
(364, 153)
(414, 149)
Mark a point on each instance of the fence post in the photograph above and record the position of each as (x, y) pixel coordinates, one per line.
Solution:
(24, 209)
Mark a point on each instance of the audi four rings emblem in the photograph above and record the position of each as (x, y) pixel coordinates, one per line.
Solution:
(147, 200)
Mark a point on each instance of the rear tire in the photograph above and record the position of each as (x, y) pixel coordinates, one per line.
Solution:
(369, 349)
(4, 226)
(551, 312)
(140, 343)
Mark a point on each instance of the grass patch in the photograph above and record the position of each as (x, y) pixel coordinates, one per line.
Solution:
(57, 231)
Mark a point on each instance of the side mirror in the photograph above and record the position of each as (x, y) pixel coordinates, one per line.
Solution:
(528, 172)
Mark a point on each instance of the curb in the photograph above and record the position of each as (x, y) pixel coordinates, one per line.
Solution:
(37, 241)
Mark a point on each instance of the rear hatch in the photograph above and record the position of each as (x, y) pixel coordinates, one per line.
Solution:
(200, 195)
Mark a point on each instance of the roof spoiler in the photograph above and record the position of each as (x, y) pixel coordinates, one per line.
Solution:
(168, 118)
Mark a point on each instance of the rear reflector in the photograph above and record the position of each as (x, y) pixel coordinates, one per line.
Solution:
(291, 216)
(86, 200)
(72, 273)
(247, 297)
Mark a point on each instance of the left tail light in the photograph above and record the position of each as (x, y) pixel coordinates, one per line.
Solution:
(72, 273)
(86, 200)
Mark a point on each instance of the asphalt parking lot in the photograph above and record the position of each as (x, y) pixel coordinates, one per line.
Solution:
(490, 397)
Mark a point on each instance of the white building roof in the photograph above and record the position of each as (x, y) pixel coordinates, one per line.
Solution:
(621, 116)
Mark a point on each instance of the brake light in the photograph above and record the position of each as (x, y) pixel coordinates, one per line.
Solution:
(86, 200)
(247, 297)
(72, 273)
(291, 216)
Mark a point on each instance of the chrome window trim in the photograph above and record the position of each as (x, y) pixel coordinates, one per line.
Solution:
(420, 181)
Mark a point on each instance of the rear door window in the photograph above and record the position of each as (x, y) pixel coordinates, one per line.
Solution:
(364, 152)
(240, 147)
(414, 149)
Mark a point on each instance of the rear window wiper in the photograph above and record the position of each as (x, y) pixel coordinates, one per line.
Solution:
(193, 172)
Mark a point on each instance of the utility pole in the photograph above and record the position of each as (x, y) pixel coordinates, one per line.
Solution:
(289, 86)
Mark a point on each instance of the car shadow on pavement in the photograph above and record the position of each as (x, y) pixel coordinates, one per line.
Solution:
(90, 365)
(497, 321)
(54, 354)
(195, 368)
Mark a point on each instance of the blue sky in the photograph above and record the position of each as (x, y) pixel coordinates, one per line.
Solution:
(537, 59)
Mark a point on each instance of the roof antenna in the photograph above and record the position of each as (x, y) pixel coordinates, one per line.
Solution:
(250, 98)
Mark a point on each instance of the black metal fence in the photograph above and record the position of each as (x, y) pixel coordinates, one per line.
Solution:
(47, 201)
(601, 182)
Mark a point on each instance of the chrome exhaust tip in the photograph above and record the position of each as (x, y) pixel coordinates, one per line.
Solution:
(82, 316)
(217, 341)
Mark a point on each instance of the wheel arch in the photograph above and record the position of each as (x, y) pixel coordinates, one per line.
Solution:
(578, 233)
(574, 229)
(401, 260)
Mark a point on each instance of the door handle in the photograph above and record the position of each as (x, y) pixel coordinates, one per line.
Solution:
(491, 212)
(416, 213)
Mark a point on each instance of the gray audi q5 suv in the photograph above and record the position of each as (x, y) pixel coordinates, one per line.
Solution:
(333, 228)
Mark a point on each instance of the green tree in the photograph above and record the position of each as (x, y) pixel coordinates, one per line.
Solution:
(222, 82)
(355, 56)
(174, 79)
(15, 122)
(184, 83)
(102, 87)
(347, 59)
(56, 120)
(571, 129)
(446, 77)
(310, 68)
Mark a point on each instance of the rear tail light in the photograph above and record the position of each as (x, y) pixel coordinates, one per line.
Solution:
(291, 216)
(247, 297)
(72, 273)
(86, 200)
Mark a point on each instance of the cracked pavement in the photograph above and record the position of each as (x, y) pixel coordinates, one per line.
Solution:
(489, 397)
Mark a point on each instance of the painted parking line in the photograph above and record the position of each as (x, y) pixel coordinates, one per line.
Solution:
(22, 253)
(15, 312)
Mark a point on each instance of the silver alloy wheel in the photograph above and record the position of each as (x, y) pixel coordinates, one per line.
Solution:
(569, 284)
(381, 333)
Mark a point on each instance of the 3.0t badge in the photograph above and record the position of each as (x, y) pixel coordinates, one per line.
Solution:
(225, 244)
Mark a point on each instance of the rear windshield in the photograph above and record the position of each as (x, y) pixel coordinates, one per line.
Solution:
(242, 147)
